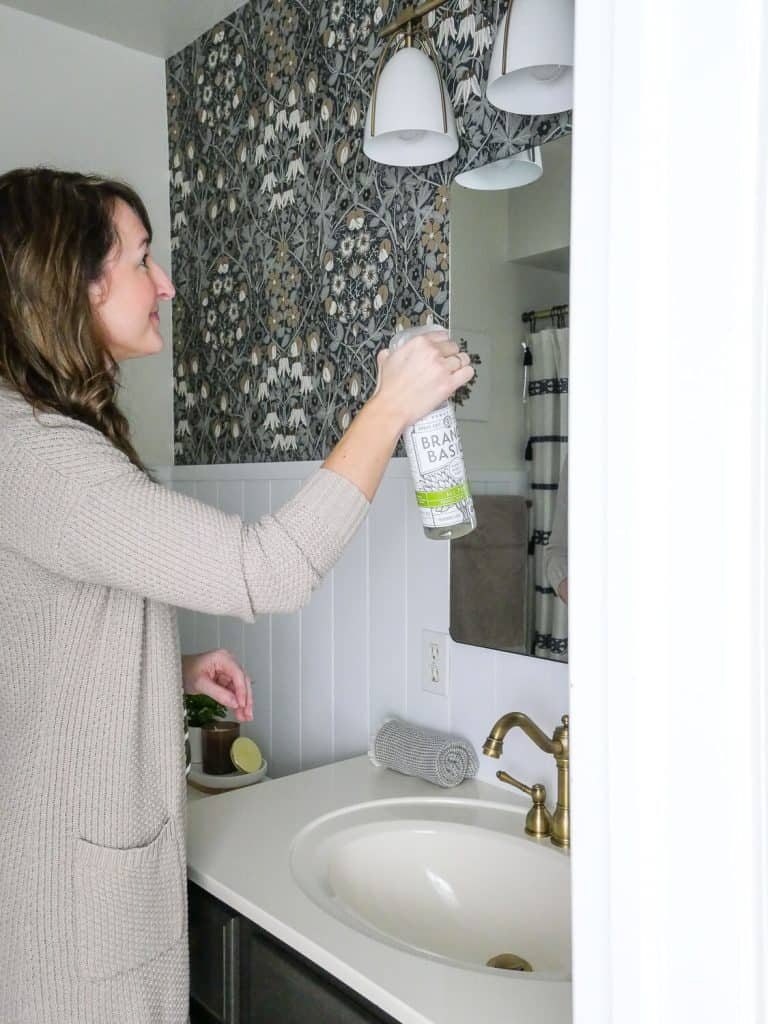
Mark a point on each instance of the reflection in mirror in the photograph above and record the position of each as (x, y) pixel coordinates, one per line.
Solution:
(510, 254)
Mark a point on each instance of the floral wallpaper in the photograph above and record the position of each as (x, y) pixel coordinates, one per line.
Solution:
(294, 256)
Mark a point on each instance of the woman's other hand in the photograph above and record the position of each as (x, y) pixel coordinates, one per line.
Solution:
(218, 675)
(420, 375)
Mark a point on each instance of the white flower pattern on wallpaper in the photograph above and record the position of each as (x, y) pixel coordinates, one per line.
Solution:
(294, 256)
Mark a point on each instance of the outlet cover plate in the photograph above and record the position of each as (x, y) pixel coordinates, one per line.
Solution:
(434, 662)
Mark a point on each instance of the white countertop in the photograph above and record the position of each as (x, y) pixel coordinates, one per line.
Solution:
(238, 850)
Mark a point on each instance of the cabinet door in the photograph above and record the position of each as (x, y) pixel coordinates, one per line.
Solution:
(278, 986)
(213, 951)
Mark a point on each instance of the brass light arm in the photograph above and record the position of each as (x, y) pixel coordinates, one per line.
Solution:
(506, 38)
(409, 14)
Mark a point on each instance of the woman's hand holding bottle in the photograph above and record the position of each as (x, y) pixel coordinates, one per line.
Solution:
(420, 375)
(412, 382)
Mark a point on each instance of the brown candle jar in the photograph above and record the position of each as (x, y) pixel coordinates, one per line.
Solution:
(217, 738)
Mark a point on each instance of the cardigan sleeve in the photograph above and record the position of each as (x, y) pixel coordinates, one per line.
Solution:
(73, 503)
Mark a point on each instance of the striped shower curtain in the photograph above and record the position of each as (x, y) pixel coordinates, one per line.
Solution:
(546, 397)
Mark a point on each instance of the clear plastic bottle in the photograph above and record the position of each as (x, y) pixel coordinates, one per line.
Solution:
(434, 451)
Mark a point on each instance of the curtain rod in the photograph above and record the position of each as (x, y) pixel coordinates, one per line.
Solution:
(542, 314)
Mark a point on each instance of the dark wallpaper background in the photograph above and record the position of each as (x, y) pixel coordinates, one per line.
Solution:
(294, 256)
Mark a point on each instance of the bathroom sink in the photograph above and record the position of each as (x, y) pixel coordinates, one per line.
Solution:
(448, 879)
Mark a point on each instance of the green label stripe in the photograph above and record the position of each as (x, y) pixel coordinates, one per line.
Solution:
(440, 499)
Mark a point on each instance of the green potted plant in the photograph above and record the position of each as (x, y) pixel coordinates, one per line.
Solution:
(200, 711)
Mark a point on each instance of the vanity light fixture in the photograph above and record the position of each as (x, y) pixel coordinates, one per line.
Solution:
(410, 119)
(521, 168)
(531, 69)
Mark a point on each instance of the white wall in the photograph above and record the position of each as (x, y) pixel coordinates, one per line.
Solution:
(73, 101)
(668, 458)
(325, 677)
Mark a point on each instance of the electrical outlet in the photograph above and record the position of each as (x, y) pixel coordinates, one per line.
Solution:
(434, 662)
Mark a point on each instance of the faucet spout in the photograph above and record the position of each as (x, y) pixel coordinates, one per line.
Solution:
(494, 745)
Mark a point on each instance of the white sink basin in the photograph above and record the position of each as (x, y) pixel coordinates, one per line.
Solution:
(453, 880)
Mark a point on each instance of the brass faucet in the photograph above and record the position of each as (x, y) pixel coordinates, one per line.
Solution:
(538, 822)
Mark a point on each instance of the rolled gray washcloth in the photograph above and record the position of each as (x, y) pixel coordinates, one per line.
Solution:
(445, 760)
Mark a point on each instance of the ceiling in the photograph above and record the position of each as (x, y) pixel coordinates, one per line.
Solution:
(158, 27)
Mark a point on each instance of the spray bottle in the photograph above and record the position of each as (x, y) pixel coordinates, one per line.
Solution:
(434, 451)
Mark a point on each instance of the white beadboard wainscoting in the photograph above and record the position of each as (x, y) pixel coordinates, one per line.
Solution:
(326, 676)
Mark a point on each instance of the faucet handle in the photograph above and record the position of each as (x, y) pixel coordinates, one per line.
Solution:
(538, 821)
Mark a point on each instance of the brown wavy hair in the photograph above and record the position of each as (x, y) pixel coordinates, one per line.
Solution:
(56, 230)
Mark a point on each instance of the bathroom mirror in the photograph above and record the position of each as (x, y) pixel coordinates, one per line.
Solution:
(510, 256)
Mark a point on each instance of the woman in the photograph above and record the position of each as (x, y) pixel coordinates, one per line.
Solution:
(93, 558)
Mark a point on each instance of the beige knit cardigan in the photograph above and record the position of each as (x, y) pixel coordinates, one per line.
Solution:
(93, 558)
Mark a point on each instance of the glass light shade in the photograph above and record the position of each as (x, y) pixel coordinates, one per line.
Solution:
(408, 131)
(538, 74)
(511, 172)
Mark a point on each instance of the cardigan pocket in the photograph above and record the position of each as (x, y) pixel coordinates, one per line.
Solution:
(129, 903)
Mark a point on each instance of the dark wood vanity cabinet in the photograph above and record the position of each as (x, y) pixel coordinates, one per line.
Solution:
(213, 960)
(240, 974)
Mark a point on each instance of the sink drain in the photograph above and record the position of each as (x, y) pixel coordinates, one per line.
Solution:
(509, 962)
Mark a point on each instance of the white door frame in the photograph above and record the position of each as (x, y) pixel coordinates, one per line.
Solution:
(668, 581)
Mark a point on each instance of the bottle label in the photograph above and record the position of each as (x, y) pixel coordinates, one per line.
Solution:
(437, 465)
(438, 499)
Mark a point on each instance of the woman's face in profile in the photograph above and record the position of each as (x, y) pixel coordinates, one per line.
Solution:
(126, 298)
